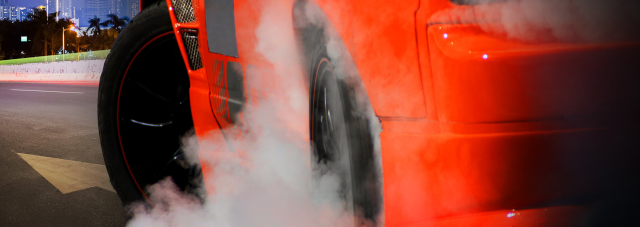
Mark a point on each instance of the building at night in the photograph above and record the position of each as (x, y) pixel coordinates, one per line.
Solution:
(25, 12)
(14, 13)
(102, 8)
(95, 8)
(135, 8)
(62, 6)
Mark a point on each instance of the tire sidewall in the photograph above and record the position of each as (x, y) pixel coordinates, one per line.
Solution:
(149, 24)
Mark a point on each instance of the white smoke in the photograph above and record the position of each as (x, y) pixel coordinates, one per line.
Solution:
(263, 176)
(551, 20)
(267, 183)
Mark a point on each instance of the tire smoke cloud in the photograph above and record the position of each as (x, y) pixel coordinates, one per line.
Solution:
(262, 175)
(551, 20)
(266, 182)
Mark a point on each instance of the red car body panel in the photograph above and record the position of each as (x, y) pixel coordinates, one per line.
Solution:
(474, 125)
(389, 63)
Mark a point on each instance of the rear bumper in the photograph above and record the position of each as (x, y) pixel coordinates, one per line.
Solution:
(428, 177)
(549, 216)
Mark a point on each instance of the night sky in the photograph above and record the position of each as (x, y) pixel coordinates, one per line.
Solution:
(34, 3)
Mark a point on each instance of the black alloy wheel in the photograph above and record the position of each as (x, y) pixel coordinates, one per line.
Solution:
(342, 141)
(154, 113)
(328, 131)
(342, 125)
(144, 109)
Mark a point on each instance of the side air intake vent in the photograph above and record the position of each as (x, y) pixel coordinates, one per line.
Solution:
(190, 40)
(183, 10)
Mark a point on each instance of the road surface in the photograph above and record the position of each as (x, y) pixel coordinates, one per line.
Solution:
(51, 167)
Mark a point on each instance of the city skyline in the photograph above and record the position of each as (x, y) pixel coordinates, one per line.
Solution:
(65, 8)
(79, 10)
(35, 3)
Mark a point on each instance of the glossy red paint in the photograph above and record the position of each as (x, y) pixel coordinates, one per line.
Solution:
(526, 82)
(474, 124)
(205, 123)
(388, 64)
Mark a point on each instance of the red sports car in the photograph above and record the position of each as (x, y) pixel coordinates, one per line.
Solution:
(484, 122)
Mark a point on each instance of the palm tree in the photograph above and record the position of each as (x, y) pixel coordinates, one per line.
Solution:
(116, 22)
(1, 52)
(46, 25)
(94, 26)
(81, 41)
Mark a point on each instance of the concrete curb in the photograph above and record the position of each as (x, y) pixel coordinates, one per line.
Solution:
(54, 72)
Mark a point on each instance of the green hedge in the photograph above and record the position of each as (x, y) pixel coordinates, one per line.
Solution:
(92, 55)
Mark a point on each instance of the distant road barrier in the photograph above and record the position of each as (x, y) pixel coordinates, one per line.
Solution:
(77, 72)
(91, 55)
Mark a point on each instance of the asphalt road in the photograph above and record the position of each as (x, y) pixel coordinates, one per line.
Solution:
(46, 121)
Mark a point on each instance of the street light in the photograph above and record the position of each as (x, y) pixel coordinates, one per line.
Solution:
(64, 29)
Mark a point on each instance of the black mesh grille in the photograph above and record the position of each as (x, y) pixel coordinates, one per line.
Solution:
(190, 40)
(183, 10)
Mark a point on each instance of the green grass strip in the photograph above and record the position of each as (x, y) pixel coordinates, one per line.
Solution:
(93, 55)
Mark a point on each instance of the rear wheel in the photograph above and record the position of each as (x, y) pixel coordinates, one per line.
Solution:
(342, 141)
(144, 109)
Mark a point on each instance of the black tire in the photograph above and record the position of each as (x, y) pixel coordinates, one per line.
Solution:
(143, 107)
(348, 151)
(359, 165)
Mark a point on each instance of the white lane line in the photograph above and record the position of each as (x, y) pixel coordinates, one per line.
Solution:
(65, 92)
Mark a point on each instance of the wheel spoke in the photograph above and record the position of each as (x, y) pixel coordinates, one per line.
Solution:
(184, 100)
(156, 95)
(155, 125)
(178, 158)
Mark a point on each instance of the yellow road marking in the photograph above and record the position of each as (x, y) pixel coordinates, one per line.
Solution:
(69, 176)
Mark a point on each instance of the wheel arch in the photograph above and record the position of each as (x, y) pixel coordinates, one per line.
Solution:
(377, 45)
(315, 32)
